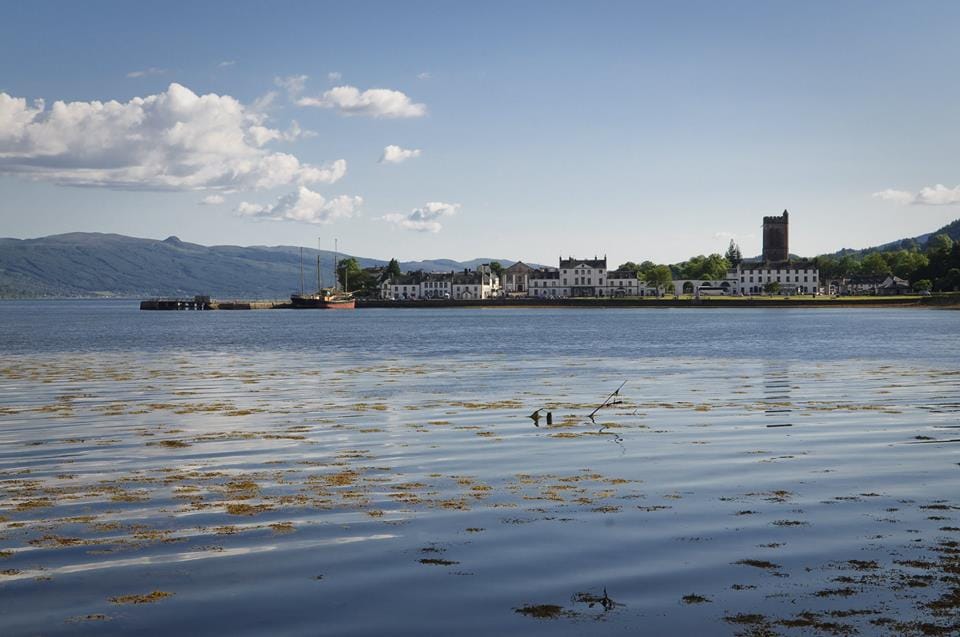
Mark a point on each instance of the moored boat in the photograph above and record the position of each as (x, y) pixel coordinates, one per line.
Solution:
(325, 300)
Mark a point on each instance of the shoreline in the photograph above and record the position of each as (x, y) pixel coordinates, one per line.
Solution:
(950, 301)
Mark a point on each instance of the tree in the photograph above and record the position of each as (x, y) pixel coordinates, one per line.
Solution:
(348, 272)
(497, 268)
(701, 267)
(772, 287)
(734, 256)
(874, 265)
(940, 243)
(923, 285)
(660, 277)
(950, 282)
(393, 269)
(630, 266)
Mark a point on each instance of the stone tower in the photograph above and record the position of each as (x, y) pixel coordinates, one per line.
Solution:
(776, 238)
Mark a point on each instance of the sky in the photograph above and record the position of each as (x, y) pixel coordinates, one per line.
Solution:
(516, 130)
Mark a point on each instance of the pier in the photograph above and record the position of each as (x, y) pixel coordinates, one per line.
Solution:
(201, 302)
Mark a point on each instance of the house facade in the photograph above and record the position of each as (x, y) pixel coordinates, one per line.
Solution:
(583, 277)
(481, 283)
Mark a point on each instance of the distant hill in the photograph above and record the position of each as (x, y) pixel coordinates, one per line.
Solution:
(94, 264)
(951, 229)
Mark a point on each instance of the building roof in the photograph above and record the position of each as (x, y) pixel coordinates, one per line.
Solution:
(590, 263)
(545, 274)
(518, 268)
(755, 264)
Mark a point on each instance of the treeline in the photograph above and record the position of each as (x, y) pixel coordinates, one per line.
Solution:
(713, 267)
(934, 266)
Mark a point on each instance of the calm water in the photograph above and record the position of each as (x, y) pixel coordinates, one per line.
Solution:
(375, 472)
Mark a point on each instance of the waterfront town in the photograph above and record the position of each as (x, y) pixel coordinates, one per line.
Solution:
(774, 273)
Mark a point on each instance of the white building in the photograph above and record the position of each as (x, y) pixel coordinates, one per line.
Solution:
(469, 284)
(515, 280)
(621, 283)
(545, 284)
(583, 277)
(798, 276)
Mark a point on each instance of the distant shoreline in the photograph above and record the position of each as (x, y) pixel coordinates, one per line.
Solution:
(951, 300)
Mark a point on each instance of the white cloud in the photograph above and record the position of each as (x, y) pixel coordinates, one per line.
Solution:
(898, 196)
(395, 155)
(292, 84)
(226, 63)
(212, 200)
(175, 140)
(424, 76)
(146, 72)
(334, 76)
(424, 219)
(938, 195)
(305, 206)
(374, 102)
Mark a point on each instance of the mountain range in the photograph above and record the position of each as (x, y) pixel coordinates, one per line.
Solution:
(82, 264)
(90, 264)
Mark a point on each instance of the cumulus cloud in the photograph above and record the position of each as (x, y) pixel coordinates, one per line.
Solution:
(424, 76)
(425, 219)
(212, 200)
(334, 76)
(175, 140)
(395, 155)
(292, 84)
(226, 63)
(146, 72)
(938, 195)
(898, 196)
(374, 102)
(305, 206)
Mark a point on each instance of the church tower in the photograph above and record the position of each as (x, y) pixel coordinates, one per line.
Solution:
(776, 238)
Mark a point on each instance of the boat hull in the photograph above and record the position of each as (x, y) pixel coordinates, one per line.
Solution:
(321, 303)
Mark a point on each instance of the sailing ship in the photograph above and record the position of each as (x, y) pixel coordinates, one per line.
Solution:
(325, 298)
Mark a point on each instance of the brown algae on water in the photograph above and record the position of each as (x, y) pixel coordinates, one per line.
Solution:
(227, 473)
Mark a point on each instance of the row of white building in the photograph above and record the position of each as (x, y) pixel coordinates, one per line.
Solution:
(590, 278)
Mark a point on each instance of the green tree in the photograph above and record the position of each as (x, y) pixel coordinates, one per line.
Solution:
(630, 266)
(713, 267)
(874, 265)
(950, 282)
(393, 269)
(734, 256)
(848, 266)
(497, 268)
(923, 285)
(660, 277)
(906, 264)
(348, 273)
(940, 243)
(772, 287)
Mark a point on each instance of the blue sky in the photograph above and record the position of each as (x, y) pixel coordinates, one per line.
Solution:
(637, 130)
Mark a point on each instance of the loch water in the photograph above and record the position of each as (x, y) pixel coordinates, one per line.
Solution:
(377, 472)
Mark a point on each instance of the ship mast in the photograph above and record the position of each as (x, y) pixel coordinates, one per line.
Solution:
(336, 275)
(301, 270)
(319, 276)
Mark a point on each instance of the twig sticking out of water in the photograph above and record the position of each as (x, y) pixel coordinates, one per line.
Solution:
(607, 400)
